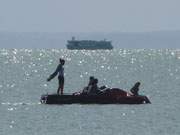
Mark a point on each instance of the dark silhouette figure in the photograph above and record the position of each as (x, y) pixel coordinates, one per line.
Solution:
(91, 79)
(94, 88)
(135, 89)
(85, 90)
(60, 71)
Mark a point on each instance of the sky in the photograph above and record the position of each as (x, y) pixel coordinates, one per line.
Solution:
(89, 15)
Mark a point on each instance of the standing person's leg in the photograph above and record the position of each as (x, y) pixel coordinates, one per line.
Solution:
(62, 88)
(61, 85)
(58, 90)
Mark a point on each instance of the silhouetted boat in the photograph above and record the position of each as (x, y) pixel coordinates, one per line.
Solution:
(112, 96)
(88, 44)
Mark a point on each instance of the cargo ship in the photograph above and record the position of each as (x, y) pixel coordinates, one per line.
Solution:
(74, 44)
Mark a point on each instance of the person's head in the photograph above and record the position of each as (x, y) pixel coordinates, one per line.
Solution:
(91, 78)
(62, 61)
(137, 84)
(95, 81)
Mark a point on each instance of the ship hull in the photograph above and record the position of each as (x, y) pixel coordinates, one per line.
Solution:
(92, 99)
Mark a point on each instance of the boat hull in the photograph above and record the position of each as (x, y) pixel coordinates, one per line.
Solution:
(92, 99)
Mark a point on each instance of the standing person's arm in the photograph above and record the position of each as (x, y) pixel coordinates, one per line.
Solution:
(54, 74)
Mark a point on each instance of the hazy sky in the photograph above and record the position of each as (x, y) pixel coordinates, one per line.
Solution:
(89, 15)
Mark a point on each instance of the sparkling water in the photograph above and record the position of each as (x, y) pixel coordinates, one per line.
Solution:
(23, 80)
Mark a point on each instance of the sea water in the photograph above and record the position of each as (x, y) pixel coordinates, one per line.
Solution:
(23, 74)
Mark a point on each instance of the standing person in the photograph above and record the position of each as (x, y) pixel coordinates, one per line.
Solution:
(60, 72)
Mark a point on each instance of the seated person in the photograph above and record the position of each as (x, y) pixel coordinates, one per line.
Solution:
(135, 89)
(91, 79)
(93, 89)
